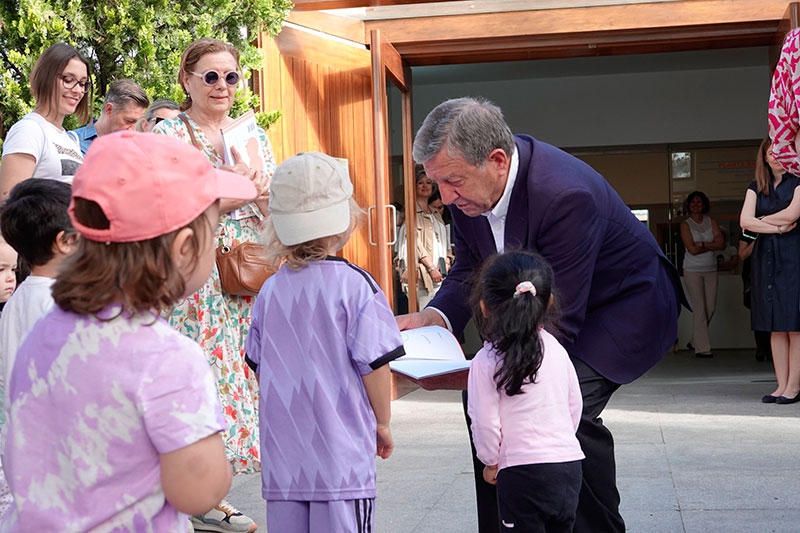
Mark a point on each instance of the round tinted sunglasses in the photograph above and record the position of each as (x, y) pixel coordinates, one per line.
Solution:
(211, 77)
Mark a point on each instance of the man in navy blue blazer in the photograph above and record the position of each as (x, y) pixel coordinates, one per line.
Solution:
(619, 296)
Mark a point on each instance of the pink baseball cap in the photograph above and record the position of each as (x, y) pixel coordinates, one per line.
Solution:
(149, 185)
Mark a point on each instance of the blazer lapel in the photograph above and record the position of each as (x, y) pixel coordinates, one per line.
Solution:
(483, 237)
(516, 236)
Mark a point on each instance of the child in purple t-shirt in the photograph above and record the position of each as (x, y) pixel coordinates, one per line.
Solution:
(524, 398)
(114, 419)
(321, 337)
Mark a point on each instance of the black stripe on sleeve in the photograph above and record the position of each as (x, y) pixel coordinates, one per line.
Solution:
(391, 356)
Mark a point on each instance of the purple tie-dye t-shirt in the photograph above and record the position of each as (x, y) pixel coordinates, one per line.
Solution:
(314, 333)
(93, 404)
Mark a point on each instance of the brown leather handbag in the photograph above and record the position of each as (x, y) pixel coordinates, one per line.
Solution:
(243, 269)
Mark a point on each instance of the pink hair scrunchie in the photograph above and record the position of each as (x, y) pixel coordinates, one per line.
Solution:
(523, 287)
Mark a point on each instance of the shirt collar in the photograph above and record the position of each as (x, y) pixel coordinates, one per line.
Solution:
(501, 208)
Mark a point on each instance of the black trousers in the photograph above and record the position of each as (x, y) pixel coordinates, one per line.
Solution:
(598, 503)
(539, 498)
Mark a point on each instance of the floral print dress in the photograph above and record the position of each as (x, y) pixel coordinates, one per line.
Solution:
(220, 322)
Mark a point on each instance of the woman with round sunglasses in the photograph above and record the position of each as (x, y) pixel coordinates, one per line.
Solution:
(210, 74)
(38, 146)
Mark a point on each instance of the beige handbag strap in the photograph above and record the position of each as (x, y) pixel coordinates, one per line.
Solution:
(190, 129)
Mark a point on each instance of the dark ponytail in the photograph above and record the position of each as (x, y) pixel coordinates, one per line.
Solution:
(512, 325)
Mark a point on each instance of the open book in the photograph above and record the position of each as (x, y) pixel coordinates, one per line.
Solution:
(433, 359)
(243, 134)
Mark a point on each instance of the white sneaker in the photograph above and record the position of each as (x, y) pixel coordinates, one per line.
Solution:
(224, 518)
(191, 526)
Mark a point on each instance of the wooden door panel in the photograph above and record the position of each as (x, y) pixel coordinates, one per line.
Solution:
(324, 90)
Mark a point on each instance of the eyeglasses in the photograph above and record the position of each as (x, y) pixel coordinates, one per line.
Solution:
(69, 82)
(211, 77)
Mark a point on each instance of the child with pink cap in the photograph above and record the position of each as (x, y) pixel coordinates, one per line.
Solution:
(114, 422)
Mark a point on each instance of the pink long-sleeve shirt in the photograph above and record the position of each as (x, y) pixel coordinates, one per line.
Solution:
(532, 428)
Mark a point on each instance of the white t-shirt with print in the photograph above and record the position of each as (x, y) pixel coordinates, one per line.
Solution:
(31, 301)
(57, 153)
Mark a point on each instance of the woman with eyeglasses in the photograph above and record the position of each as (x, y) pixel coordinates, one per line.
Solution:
(210, 74)
(38, 146)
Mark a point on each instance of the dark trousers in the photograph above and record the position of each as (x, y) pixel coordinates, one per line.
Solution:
(598, 503)
(539, 498)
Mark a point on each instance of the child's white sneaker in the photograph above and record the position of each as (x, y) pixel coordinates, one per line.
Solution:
(224, 518)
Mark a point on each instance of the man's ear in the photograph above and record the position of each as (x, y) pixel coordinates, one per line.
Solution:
(65, 243)
(500, 159)
(108, 108)
(182, 249)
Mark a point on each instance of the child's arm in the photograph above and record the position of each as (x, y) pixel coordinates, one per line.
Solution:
(378, 384)
(197, 477)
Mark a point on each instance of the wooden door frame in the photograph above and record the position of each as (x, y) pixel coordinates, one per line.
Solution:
(562, 32)
(791, 20)
(388, 65)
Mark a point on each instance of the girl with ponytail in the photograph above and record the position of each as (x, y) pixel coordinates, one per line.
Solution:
(524, 400)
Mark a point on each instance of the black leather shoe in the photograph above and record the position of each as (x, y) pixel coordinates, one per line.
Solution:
(769, 398)
(783, 400)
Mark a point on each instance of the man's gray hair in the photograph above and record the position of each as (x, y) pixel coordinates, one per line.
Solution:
(160, 103)
(127, 92)
(467, 127)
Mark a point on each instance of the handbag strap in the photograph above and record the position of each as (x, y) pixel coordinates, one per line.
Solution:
(190, 129)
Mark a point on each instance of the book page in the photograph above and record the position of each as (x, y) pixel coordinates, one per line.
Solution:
(243, 134)
(431, 342)
(422, 369)
(430, 351)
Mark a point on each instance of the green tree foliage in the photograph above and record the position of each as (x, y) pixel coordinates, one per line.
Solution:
(138, 39)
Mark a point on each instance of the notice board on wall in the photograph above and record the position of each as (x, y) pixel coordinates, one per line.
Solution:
(721, 173)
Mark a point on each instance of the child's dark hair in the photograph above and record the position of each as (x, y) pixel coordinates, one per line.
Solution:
(140, 275)
(514, 317)
(34, 214)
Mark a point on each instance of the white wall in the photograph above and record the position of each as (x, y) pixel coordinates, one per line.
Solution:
(688, 104)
